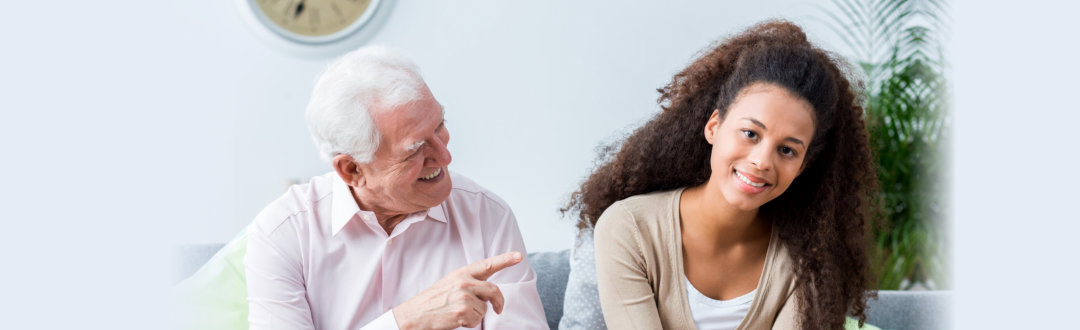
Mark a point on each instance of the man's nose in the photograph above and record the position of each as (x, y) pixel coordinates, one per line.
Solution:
(441, 155)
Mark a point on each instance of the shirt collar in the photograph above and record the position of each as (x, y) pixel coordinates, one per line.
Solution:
(344, 209)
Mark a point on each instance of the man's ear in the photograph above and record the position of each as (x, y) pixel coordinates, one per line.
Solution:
(348, 170)
(712, 127)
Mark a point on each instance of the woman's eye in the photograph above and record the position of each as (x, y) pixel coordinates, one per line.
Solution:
(787, 151)
(749, 134)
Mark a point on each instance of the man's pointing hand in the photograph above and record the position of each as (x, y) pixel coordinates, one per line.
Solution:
(459, 299)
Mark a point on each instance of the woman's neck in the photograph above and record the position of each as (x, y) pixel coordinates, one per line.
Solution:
(708, 217)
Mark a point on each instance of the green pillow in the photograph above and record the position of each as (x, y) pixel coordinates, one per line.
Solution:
(215, 297)
(853, 324)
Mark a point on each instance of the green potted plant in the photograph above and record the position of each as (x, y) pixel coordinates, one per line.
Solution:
(898, 45)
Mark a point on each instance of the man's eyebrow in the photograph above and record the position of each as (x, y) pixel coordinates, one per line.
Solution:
(793, 140)
(418, 144)
(415, 146)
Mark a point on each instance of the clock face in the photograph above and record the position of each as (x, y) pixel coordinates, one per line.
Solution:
(314, 21)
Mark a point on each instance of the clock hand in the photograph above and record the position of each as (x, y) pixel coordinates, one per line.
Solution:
(299, 8)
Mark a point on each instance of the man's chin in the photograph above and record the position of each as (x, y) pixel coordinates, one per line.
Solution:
(440, 192)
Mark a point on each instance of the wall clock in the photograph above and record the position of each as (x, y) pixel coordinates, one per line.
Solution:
(314, 27)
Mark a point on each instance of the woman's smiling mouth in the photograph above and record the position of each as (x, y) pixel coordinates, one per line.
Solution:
(749, 183)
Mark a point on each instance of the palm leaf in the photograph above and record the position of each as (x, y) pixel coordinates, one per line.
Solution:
(899, 45)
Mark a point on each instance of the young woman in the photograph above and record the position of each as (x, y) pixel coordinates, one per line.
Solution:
(745, 203)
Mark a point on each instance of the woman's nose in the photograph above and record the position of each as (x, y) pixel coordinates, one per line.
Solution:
(761, 157)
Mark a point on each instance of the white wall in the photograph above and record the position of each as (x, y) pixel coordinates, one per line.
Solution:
(1015, 164)
(128, 126)
(530, 88)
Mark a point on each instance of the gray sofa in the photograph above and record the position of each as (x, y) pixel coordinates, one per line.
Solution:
(892, 310)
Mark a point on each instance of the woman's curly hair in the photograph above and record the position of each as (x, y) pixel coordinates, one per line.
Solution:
(824, 216)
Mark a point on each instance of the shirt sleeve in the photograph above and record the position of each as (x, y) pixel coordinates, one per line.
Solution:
(275, 282)
(521, 308)
(626, 297)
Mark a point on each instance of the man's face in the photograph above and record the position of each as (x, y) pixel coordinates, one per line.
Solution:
(408, 173)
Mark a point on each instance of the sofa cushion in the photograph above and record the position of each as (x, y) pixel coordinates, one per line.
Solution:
(215, 296)
(552, 270)
(902, 310)
(582, 306)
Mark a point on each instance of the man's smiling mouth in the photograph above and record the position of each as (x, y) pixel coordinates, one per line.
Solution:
(432, 175)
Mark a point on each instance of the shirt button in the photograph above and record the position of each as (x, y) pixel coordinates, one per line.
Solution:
(388, 241)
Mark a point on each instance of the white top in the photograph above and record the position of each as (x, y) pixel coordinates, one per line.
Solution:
(717, 314)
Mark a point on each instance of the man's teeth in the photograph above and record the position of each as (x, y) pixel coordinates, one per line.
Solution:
(747, 181)
(432, 175)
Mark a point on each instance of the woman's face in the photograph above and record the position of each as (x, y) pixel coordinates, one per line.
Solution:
(759, 147)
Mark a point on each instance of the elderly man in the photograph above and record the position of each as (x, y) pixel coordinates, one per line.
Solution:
(390, 238)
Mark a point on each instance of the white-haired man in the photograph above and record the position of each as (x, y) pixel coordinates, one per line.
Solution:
(389, 239)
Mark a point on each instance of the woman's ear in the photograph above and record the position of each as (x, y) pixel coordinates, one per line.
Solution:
(348, 170)
(712, 127)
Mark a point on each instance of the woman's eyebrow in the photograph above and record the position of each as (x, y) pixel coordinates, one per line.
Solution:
(756, 122)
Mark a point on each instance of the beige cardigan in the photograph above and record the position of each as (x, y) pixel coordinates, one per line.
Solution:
(639, 270)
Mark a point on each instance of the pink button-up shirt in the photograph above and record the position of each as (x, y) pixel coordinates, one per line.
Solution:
(316, 261)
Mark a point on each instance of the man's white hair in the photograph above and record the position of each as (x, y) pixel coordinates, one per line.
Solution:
(366, 80)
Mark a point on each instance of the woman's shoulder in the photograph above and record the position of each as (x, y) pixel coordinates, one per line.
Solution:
(646, 212)
(652, 200)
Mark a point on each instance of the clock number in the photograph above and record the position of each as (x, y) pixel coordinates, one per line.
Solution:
(340, 15)
(285, 14)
